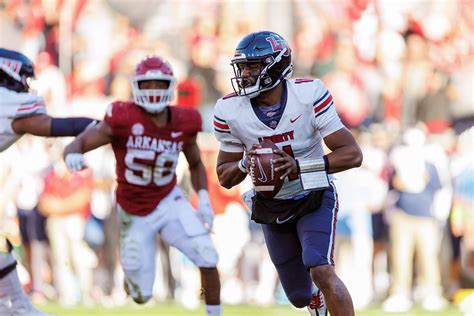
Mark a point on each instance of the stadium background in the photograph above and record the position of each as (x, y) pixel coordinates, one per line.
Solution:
(389, 65)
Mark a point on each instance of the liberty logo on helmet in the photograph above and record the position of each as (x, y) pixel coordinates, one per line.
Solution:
(278, 44)
(11, 67)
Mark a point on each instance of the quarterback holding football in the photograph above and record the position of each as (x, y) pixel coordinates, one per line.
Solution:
(273, 125)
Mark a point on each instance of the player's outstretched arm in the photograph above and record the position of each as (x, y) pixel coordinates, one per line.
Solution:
(92, 138)
(230, 169)
(346, 154)
(45, 125)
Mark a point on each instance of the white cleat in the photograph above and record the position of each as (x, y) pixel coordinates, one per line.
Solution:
(318, 307)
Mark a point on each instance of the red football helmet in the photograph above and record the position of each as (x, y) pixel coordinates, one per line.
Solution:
(153, 68)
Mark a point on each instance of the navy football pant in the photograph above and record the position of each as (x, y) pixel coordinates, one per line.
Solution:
(295, 247)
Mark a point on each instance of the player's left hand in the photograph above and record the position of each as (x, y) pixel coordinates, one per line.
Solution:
(286, 162)
(204, 212)
(75, 162)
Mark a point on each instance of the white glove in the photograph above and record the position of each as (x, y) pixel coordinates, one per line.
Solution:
(204, 212)
(75, 162)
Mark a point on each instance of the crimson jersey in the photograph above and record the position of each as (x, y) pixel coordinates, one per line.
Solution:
(147, 155)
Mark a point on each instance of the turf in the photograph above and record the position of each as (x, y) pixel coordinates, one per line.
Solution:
(240, 310)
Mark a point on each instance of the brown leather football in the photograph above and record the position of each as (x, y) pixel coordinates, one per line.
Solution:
(266, 181)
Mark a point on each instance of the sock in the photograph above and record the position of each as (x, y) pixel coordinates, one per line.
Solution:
(314, 289)
(213, 310)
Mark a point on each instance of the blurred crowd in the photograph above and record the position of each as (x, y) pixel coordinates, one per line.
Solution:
(401, 75)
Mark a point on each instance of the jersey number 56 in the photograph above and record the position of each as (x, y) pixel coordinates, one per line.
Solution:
(161, 173)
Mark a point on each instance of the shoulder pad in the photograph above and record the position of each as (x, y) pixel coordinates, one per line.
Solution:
(187, 119)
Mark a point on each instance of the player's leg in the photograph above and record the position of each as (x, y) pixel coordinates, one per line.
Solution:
(137, 255)
(13, 300)
(316, 232)
(285, 252)
(184, 231)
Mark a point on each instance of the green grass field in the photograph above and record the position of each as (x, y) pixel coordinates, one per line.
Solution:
(175, 310)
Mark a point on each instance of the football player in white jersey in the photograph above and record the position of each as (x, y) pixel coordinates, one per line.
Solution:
(297, 115)
(22, 112)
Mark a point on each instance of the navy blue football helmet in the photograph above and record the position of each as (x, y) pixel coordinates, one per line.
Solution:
(15, 70)
(261, 61)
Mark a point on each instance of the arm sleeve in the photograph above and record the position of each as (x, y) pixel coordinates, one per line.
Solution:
(223, 132)
(70, 126)
(325, 119)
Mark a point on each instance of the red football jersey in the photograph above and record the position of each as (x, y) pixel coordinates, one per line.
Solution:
(147, 155)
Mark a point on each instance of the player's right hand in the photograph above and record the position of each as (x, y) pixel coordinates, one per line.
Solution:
(249, 155)
(75, 162)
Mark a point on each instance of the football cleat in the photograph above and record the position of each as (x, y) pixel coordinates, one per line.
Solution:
(317, 306)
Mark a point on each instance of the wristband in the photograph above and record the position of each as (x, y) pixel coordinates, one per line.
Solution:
(311, 164)
(312, 173)
(242, 165)
(326, 163)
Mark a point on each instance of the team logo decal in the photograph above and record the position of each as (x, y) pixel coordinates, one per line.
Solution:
(13, 65)
(138, 129)
(278, 44)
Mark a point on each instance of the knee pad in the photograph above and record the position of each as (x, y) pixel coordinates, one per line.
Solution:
(207, 257)
(203, 253)
(313, 258)
(299, 299)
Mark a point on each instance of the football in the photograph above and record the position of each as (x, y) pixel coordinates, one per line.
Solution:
(262, 170)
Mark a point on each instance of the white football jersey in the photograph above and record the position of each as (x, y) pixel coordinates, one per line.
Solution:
(308, 117)
(15, 105)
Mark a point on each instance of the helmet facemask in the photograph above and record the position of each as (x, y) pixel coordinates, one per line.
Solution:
(153, 100)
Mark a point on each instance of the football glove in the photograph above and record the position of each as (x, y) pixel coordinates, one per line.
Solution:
(75, 162)
(204, 211)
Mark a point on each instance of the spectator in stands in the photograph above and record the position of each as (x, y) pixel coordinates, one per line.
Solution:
(413, 226)
(65, 203)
